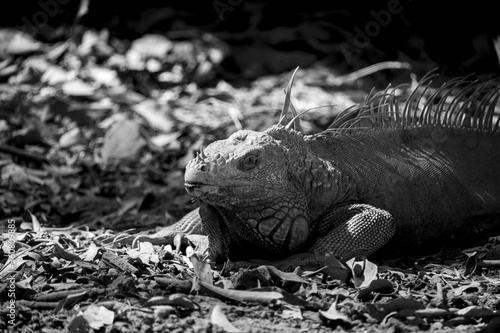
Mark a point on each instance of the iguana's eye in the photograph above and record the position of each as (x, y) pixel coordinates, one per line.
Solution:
(249, 162)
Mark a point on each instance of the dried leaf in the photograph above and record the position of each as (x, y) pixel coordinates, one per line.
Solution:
(202, 270)
(19, 175)
(104, 76)
(339, 292)
(69, 300)
(332, 317)
(79, 325)
(285, 276)
(70, 138)
(35, 223)
(15, 42)
(146, 253)
(155, 46)
(224, 284)
(200, 242)
(11, 265)
(376, 285)
(363, 272)
(335, 268)
(473, 285)
(311, 290)
(155, 114)
(98, 316)
(78, 88)
(91, 252)
(166, 139)
(54, 75)
(218, 318)
(26, 283)
(471, 263)
(6, 70)
(122, 142)
(56, 50)
(59, 252)
(117, 262)
(401, 307)
(477, 312)
(291, 311)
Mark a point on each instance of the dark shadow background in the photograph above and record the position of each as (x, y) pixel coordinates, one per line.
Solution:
(455, 37)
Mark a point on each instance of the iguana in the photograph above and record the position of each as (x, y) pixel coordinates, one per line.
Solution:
(385, 175)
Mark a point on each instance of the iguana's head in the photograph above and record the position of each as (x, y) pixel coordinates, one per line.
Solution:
(256, 176)
(239, 168)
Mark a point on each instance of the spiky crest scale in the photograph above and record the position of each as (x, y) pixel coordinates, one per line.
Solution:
(473, 107)
(288, 105)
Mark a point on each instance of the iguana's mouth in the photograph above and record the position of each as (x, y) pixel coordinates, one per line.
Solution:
(201, 190)
(189, 185)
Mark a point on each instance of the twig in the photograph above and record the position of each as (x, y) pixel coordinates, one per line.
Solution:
(22, 153)
(340, 80)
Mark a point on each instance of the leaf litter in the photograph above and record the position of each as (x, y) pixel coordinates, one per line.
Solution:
(94, 138)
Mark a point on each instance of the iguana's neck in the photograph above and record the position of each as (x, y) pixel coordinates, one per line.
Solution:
(324, 183)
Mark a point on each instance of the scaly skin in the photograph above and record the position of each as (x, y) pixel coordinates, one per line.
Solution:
(277, 193)
(281, 196)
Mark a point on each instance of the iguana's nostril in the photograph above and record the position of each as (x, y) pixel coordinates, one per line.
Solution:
(197, 173)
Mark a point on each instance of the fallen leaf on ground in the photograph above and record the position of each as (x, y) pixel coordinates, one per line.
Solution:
(218, 318)
(123, 142)
(400, 308)
(98, 316)
(333, 317)
(175, 300)
(363, 272)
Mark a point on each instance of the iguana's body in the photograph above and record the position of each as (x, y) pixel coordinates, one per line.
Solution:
(410, 180)
(432, 180)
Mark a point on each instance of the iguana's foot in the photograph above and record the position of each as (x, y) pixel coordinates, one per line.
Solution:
(174, 235)
(133, 240)
(177, 240)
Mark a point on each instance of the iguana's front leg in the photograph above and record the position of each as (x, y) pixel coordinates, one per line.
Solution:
(355, 226)
(341, 230)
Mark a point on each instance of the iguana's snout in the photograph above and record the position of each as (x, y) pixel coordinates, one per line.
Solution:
(197, 177)
(196, 173)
